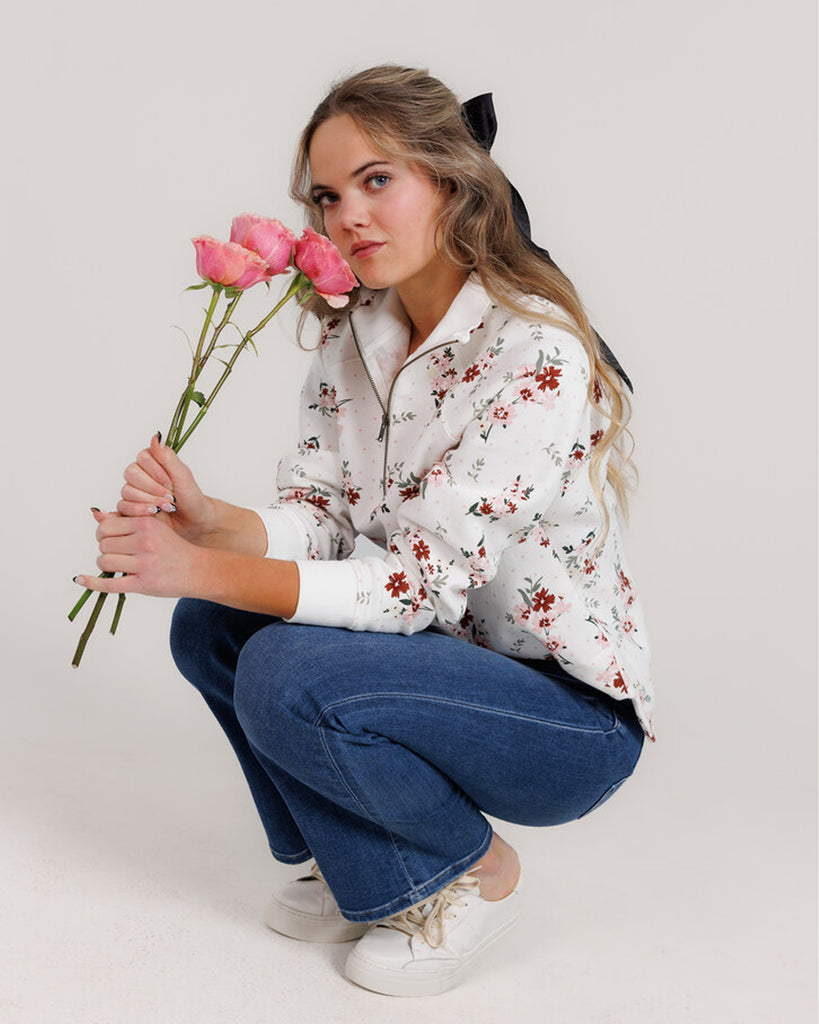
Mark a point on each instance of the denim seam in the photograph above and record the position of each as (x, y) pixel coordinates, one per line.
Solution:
(422, 892)
(323, 713)
(291, 858)
(367, 813)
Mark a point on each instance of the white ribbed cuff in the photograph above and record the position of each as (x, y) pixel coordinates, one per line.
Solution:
(286, 533)
(327, 594)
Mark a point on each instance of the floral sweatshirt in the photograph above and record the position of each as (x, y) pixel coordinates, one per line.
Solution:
(468, 463)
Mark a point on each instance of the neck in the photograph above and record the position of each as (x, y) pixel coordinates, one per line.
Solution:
(426, 302)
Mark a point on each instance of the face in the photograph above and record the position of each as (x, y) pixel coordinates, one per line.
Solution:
(381, 213)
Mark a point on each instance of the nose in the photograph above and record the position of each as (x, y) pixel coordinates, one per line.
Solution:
(352, 211)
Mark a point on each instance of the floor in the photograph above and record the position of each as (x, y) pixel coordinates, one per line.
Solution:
(134, 873)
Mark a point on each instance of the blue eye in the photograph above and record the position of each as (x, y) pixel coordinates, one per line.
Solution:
(378, 181)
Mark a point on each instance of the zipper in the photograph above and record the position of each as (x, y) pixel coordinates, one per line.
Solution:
(384, 432)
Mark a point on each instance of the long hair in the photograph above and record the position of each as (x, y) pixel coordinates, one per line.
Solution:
(408, 115)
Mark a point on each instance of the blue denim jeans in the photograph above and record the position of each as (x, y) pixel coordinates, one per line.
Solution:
(377, 753)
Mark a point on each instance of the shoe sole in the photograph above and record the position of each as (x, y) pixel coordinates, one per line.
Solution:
(397, 982)
(308, 927)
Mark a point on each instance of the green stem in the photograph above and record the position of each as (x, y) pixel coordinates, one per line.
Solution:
(184, 400)
(89, 629)
(76, 609)
(297, 285)
(117, 613)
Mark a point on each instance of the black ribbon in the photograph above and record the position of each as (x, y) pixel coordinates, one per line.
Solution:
(479, 115)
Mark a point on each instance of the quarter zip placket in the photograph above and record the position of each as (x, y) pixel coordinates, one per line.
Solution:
(384, 432)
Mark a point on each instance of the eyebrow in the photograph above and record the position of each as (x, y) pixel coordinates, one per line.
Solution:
(359, 170)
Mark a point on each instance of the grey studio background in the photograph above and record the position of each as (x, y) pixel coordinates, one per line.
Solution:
(667, 155)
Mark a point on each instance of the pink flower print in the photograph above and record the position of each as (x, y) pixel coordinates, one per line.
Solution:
(627, 625)
(480, 568)
(521, 613)
(397, 584)
(327, 398)
(560, 607)
(500, 412)
(436, 474)
(554, 643)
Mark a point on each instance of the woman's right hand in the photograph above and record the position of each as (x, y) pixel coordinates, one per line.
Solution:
(159, 481)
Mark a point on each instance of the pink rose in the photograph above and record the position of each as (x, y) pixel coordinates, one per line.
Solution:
(318, 259)
(228, 264)
(269, 238)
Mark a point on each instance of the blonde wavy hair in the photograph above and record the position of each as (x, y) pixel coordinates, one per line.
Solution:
(408, 115)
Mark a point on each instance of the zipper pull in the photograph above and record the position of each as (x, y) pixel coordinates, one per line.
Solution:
(383, 429)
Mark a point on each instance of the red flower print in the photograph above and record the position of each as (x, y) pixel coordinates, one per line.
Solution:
(578, 454)
(410, 492)
(485, 508)
(597, 391)
(549, 377)
(353, 495)
(618, 682)
(588, 566)
(542, 601)
(596, 437)
(472, 372)
(397, 584)
(319, 500)
(421, 550)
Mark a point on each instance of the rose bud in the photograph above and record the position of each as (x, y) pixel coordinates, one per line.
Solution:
(318, 259)
(269, 238)
(228, 264)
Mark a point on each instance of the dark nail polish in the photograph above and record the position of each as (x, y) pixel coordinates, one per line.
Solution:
(159, 436)
(95, 509)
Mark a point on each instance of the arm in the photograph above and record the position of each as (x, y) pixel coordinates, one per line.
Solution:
(159, 562)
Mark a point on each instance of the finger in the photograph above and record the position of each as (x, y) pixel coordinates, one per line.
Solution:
(148, 476)
(118, 545)
(143, 503)
(167, 458)
(114, 525)
(134, 509)
(117, 563)
(116, 585)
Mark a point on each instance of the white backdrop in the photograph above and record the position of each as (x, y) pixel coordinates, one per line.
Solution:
(667, 154)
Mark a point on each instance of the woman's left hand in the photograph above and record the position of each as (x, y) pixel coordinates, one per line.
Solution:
(157, 561)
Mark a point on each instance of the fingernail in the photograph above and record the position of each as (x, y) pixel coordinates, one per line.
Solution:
(168, 507)
(152, 510)
(159, 436)
(80, 580)
(95, 509)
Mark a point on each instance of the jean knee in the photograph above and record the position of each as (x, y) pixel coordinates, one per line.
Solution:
(276, 676)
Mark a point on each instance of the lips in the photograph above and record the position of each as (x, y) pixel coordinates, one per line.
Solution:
(361, 250)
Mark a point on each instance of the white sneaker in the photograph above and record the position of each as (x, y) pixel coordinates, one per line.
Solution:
(426, 949)
(306, 909)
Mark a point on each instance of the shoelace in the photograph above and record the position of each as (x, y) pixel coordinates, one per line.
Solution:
(427, 918)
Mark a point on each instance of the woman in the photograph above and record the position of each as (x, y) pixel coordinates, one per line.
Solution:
(494, 661)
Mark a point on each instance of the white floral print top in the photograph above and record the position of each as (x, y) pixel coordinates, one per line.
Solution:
(468, 463)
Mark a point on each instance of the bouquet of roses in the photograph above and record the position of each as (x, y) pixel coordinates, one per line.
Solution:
(259, 249)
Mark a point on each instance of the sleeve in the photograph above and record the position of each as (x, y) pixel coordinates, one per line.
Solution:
(486, 493)
(310, 519)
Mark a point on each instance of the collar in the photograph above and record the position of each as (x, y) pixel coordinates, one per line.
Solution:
(379, 315)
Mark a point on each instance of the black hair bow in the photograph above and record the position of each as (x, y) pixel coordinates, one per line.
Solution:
(479, 115)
